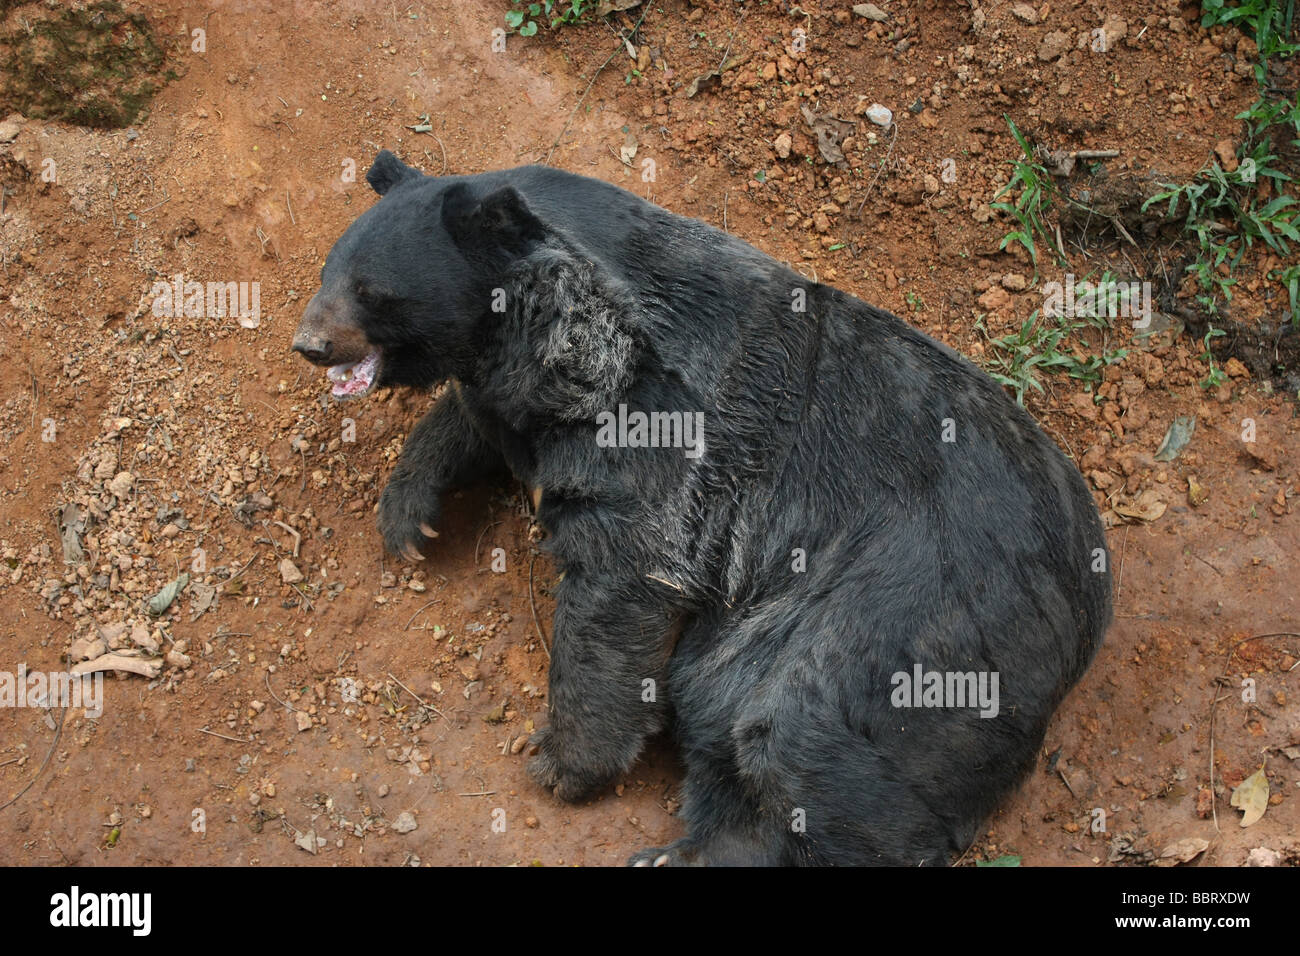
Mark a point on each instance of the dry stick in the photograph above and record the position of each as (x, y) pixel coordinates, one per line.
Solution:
(480, 793)
(290, 205)
(582, 99)
(267, 675)
(1123, 549)
(423, 702)
(480, 539)
(893, 135)
(58, 732)
(532, 603)
(418, 613)
(297, 538)
(1214, 705)
(213, 733)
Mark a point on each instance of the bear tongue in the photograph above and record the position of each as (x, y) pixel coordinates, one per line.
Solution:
(354, 378)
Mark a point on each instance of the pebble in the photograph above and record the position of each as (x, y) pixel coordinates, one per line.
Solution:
(869, 11)
(122, 484)
(303, 721)
(1053, 45)
(289, 572)
(404, 823)
(1023, 11)
(880, 115)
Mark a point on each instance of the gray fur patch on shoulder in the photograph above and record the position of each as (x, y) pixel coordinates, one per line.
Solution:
(581, 328)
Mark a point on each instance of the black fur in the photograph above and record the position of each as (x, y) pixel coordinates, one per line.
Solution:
(824, 431)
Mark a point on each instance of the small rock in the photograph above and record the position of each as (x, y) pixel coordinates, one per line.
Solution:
(1053, 45)
(122, 484)
(1235, 369)
(10, 127)
(303, 720)
(289, 572)
(520, 743)
(530, 822)
(1263, 856)
(141, 637)
(869, 11)
(384, 790)
(880, 115)
(1227, 154)
(1023, 11)
(1115, 29)
(177, 659)
(782, 144)
(994, 299)
(1015, 282)
(307, 841)
(87, 648)
(404, 823)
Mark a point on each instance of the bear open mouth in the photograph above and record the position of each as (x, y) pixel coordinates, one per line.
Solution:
(354, 378)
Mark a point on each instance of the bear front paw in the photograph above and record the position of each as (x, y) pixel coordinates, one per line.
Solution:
(553, 768)
(408, 516)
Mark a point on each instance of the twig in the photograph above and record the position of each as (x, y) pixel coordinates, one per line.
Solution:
(213, 733)
(480, 538)
(479, 793)
(582, 99)
(418, 613)
(423, 702)
(1214, 706)
(893, 135)
(58, 732)
(286, 706)
(297, 538)
(290, 205)
(532, 603)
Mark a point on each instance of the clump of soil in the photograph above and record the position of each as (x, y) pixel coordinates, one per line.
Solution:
(94, 64)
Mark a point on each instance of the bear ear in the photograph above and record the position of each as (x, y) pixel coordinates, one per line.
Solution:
(388, 171)
(497, 222)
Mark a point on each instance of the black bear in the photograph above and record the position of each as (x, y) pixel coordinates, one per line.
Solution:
(853, 577)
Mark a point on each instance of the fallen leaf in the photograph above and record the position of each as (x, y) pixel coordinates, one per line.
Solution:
(1176, 439)
(830, 132)
(71, 525)
(203, 598)
(1145, 507)
(1184, 850)
(161, 601)
(1251, 797)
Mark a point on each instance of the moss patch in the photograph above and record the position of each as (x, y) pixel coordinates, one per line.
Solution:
(94, 64)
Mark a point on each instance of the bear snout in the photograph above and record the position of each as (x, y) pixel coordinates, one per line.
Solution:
(328, 333)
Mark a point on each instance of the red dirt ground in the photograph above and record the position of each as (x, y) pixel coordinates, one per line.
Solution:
(236, 175)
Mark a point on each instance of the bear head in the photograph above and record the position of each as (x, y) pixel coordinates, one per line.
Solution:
(407, 289)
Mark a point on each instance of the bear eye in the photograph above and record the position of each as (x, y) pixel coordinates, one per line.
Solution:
(367, 292)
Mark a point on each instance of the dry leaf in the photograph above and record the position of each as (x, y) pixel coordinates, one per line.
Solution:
(1184, 850)
(1145, 507)
(1252, 797)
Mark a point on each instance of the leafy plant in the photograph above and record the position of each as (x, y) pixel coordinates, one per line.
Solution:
(1227, 211)
(525, 16)
(1033, 189)
(1215, 377)
(1041, 346)
(1269, 22)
